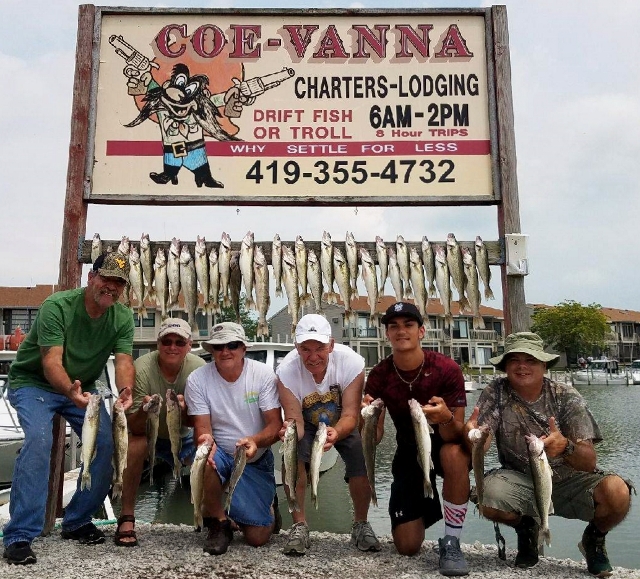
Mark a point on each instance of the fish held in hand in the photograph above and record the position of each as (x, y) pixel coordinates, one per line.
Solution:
(289, 450)
(152, 408)
(371, 415)
(542, 485)
(478, 437)
(239, 462)
(120, 447)
(317, 448)
(422, 432)
(90, 428)
(197, 482)
(174, 426)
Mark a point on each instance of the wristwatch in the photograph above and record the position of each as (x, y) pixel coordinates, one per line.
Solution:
(568, 450)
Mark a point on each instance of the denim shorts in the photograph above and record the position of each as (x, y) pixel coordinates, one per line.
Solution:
(186, 454)
(253, 495)
(349, 449)
(572, 498)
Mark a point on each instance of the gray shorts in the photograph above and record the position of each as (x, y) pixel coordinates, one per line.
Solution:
(572, 498)
(349, 449)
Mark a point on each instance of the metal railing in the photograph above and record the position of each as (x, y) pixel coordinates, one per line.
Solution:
(484, 335)
(361, 332)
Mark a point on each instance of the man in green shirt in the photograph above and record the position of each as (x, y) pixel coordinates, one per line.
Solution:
(156, 372)
(55, 372)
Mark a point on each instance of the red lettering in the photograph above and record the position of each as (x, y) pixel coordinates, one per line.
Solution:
(365, 34)
(454, 45)
(300, 42)
(162, 40)
(409, 35)
(244, 37)
(331, 45)
(206, 35)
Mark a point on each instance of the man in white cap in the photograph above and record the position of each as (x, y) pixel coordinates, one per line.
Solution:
(233, 401)
(321, 381)
(156, 372)
(526, 402)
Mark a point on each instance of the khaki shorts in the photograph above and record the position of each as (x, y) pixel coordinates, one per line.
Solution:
(572, 498)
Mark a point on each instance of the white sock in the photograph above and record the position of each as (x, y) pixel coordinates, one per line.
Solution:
(454, 516)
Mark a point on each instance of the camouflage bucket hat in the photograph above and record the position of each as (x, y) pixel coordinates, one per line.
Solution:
(112, 264)
(525, 343)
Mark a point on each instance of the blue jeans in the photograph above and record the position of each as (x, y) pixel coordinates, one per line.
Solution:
(35, 408)
(252, 499)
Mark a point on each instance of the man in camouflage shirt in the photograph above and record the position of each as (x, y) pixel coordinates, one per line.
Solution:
(526, 402)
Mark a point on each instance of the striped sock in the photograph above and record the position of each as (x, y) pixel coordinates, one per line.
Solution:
(454, 518)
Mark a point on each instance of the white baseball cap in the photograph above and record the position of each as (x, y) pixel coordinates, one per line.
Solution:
(176, 326)
(313, 327)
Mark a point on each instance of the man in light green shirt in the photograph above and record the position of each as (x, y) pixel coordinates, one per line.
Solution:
(156, 372)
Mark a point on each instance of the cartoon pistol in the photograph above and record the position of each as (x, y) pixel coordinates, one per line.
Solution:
(137, 63)
(245, 92)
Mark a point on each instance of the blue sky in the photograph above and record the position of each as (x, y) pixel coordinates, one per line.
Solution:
(576, 93)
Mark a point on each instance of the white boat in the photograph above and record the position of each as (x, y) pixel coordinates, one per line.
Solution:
(635, 372)
(601, 372)
(11, 436)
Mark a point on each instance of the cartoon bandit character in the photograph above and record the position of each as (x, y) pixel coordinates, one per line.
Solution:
(186, 110)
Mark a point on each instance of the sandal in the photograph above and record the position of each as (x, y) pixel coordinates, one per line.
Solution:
(117, 539)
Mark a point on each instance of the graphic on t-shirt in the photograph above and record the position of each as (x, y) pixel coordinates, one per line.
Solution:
(325, 408)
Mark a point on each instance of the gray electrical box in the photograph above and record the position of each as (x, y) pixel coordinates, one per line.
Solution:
(516, 254)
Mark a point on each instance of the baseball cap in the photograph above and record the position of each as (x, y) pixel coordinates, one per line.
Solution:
(225, 333)
(112, 264)
(402, 309)
(313, 327)
(175, 326)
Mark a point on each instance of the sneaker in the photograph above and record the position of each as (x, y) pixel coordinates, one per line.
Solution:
(452, 563)
(363, 537)
(298, 541)
(527, 531)
(595, 552)
(219, 536)
(19, 553)
(277, 517)
(88, 534)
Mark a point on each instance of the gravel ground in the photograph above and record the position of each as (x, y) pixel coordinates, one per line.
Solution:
(175, 552)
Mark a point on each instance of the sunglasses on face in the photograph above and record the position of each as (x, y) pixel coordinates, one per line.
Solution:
(169, 342)
(230, 346)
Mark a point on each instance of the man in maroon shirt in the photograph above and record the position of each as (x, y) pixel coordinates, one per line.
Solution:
(437, 383)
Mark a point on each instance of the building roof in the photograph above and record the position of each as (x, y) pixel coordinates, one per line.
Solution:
(25, 297)
(612, 314)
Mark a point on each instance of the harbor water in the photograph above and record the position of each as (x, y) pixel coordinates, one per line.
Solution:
(613, 408)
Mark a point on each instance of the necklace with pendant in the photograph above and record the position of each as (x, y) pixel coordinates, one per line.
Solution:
(410, 384)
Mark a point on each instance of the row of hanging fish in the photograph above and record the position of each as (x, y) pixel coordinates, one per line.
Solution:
(219, 274)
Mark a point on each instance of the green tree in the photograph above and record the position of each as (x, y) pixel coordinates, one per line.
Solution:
(248, 319)
(571, 328)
